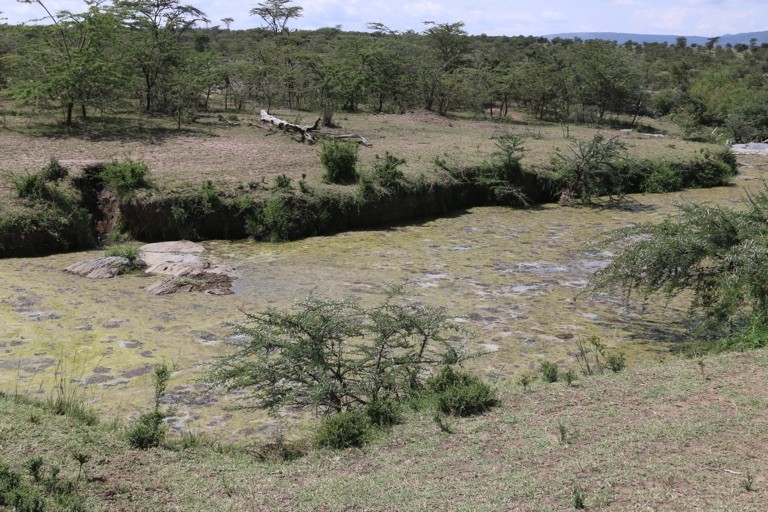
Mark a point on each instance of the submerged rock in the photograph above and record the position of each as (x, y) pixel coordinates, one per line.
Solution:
(179, 261)
(101, 268)
(189, 272)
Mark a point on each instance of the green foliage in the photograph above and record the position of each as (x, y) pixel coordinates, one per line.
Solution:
(663, 178)
(336, 355)
(350, 429)
(125, 177)
(504, 169)
(384, 413)
(569, 376)
(591, 169)
(718, 254)
(386, 171)
(130, 253)
(525, 380)
(340, 160)
(577, 498)
(460, 393)
(549, 371)
(43, 489)
(149, 429)
(69, 400)
(44, 185)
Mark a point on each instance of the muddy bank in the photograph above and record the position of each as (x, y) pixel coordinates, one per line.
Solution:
(293, 211)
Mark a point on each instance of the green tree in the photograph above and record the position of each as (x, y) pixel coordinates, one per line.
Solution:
(157, 29)
(79, 63)
(590, 170)
(718, 254)
(337, 355)
(276, 14)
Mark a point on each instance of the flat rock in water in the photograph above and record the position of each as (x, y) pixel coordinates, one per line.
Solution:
(101, 268)
(181, 261)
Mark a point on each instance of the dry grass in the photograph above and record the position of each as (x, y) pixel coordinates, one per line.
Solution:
(236, 154)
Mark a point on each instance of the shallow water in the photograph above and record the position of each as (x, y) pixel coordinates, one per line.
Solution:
(517, 279)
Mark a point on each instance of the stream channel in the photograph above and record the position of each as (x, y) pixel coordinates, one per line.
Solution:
(517, 279)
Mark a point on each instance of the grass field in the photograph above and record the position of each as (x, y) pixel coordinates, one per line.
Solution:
(233, 155)
(684, 435)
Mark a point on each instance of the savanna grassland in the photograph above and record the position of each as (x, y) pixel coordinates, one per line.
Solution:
(105, 390)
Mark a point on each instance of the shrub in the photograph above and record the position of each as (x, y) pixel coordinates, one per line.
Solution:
(336, 355)
(616, 362)
(591, 169)
(386, 171)
(549, 371)
(663, 178)
(340, 160)
(343, 430)
(383, 413)
(149, 430)
(125, 177)
(130, 253)
(718, 254)
(460, 393)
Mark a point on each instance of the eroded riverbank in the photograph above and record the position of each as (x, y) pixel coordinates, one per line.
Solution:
(514, 277)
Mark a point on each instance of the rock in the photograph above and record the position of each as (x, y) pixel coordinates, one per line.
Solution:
(102, 268)
(189, 271)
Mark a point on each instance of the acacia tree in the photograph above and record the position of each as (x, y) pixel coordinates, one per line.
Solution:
(718, 254)
(158, 26)
(276, 14)
(337, 355)
(79, 63)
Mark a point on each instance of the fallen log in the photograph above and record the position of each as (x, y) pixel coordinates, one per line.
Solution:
(291, 127)
(308, 132)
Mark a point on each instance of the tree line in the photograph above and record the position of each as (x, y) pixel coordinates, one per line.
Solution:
(164, 57)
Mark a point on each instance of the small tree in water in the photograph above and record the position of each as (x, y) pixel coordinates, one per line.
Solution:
(337, 355)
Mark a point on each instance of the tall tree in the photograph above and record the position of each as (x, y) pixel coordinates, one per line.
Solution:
(276, 14)
(78, 63)
(158, 26)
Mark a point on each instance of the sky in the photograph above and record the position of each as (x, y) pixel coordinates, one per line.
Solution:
(493, 17)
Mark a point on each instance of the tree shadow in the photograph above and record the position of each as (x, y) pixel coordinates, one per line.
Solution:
(114, 129)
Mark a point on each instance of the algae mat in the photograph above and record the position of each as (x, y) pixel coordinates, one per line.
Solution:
(515, 278)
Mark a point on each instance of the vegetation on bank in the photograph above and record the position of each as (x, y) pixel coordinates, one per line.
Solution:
(54, 213)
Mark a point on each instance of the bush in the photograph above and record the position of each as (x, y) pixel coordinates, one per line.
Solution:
(149, 430)
(336, 355)
(663, 178)
(383, 413)
(460, 393)
(343, 430)
(129, 253)
(386, 171)
(125, 177)
(340, 160)
(591, 169)
(549, 371)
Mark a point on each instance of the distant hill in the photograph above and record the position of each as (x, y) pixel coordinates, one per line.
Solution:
(621, 38)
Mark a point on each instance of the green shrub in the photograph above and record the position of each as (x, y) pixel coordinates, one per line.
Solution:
(129, 253)
(54, 171)
(549, 371)
(343, 430)
(340, 160)
(384, 413)
(149, 430)
(460, 393)
(663, 178)
(386, 171)
(125, 177)
(616, 362)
